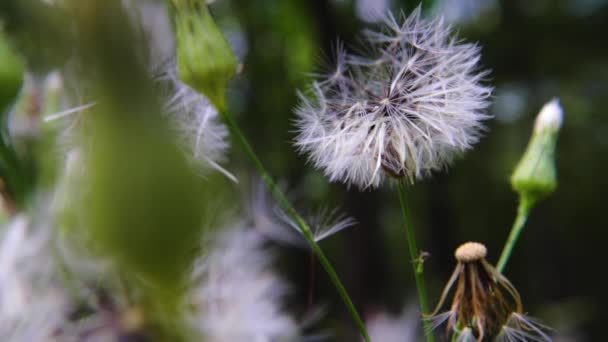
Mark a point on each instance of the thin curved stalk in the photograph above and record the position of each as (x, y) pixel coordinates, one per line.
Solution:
(299, 221)
(523, 211)
(416, 259)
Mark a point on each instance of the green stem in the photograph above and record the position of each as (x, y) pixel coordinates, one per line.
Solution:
(523, 210)
(416, 259)
(299, 221)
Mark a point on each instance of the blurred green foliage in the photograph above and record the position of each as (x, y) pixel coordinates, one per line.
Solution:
(11, 72)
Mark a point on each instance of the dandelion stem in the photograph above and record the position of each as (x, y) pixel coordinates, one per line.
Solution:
(293, 214)
(523, 210)
(416, 259)
(311, 282)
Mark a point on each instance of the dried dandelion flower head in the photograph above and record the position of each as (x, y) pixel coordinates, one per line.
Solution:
(405, 109)
(485, 305)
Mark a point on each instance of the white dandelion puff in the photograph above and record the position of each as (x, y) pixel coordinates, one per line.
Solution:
(235, 294)
(406, 109)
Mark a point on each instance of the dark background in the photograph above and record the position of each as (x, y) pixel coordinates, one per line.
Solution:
(536, 50)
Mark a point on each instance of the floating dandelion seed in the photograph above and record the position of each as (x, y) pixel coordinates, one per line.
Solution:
(271, 221)
(324, 223)
(405, 110)
(485, 305)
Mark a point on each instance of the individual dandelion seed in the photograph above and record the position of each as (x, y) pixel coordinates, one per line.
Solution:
(485, 305)
(273, 222)
(405, 109)
(323, 223)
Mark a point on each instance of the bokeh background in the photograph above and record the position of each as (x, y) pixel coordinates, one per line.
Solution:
(536, 50)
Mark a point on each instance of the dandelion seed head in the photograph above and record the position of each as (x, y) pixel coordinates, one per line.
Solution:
(405, 109)
(470, 251)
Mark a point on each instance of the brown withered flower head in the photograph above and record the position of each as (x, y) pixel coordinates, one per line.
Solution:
(485, 305)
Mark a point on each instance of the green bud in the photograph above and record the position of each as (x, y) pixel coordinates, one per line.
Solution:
(205, 60)
(535, 177)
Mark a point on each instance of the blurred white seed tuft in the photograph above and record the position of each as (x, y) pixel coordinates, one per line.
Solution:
(387, 328)
(235, 294)
(196, 121)
(32, 305)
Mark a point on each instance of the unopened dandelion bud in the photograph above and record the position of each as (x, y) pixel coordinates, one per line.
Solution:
(205, 60)
(535, 176)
